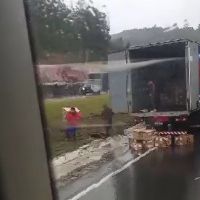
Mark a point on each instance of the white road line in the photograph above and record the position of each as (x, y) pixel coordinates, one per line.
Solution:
(197, 178)
(104, 179)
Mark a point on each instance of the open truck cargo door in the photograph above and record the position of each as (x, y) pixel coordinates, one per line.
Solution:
(118, 89)
(192, 75)
(118, 81)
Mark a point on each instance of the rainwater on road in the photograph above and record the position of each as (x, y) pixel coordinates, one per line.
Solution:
(168, 174)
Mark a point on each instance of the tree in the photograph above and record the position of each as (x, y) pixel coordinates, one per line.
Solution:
(152, 35)
(93, 30)
(50, 20)
(175, 26)
(186, 24)
(81, 31)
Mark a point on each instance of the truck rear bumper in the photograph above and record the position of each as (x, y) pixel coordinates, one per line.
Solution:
(155, 114)
(175, 133)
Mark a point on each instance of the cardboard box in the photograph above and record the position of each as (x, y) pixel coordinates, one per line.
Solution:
(184, 140)
(190, 139)
(143, 134)
(149, 144)
(130, 130)
(180, 140)
(141, 145)
(163, 141)
(136, 146)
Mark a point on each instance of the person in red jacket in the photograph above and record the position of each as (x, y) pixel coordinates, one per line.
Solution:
(73, 119)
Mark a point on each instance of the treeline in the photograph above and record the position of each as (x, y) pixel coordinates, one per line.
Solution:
(126, 38)
(78, 32)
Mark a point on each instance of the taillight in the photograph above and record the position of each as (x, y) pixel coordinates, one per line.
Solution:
(184, 119)
(181, 119)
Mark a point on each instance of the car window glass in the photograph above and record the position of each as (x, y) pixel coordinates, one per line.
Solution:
(120, 85)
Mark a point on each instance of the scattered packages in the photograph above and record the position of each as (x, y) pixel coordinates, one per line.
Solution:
(142, 138)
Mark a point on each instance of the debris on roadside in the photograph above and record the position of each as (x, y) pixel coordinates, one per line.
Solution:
(88, 155)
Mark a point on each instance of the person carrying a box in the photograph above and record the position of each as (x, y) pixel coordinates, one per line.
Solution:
(73, 119)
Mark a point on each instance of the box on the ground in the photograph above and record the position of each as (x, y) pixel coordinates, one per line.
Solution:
(141, 144)
(136, 146)
(148, 144)
(140, 137)
(184, 140)
(142, 134)
(130, 130)
(163, 141)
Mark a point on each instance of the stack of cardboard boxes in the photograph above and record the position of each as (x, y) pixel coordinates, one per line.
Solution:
(184, 140)
(163, 141)
(141, 138)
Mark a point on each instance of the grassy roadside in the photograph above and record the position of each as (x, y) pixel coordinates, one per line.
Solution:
(91, 108)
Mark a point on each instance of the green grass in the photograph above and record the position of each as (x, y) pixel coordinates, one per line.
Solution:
(91, 105)
(91, 108)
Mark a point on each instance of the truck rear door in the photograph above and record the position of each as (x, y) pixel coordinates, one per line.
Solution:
(192, 74)
(118, 81)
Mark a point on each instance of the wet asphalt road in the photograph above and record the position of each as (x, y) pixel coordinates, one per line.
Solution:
(162, 175)
(166, 175)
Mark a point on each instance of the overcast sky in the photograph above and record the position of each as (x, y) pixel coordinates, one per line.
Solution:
(128, 14)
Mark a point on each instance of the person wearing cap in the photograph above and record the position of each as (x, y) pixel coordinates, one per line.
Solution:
(73, 119)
